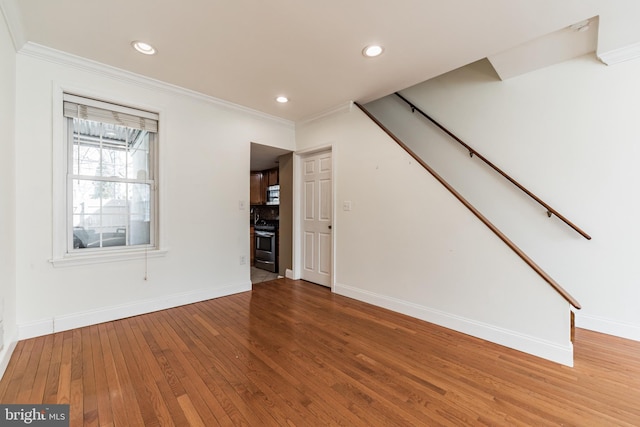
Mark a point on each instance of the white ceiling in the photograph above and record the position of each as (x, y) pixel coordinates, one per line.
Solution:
(250, 51)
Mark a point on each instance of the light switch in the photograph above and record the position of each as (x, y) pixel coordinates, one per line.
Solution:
(346, 205)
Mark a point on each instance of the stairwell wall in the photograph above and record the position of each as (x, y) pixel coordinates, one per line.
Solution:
(569, 133)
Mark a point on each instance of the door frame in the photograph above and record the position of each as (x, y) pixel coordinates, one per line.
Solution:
(298, 158)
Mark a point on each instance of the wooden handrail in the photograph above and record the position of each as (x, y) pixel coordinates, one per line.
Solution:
(472, 152)
(559, 289)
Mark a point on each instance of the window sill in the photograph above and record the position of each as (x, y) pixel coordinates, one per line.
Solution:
(103, 257)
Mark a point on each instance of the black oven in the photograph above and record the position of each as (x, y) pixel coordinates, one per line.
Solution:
(265, 245)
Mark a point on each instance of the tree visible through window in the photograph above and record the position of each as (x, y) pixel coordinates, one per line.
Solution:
(111, 172)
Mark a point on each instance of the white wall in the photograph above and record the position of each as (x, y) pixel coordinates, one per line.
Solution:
(7, 192)
(569, 133)
(204, 158)
(409, 245)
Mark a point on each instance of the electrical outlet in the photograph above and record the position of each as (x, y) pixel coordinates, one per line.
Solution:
(243, 260)
(242, 205)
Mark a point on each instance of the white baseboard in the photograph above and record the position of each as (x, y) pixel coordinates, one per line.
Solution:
(5, 355)
(107, 314)
(508, 338)
(608, 326)
(35, 328)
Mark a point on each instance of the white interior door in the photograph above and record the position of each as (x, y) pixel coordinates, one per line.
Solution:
(316, 218)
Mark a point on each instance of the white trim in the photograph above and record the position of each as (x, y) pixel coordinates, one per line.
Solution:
(604, 325)
(99, 257)
(13, 18)
(314, 150)
(108, 314)
(35, 328)
(505, 337)
(616, 56)
(5, 355)
(58, 57)
(60, 256)
(59, 159)
(342, 108)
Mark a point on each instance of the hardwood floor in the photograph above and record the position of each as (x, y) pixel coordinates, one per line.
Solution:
(293, 353)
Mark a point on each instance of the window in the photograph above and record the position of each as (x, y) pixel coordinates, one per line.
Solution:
(111, 169)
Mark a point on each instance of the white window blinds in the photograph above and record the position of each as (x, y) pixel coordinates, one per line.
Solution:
(89, 109)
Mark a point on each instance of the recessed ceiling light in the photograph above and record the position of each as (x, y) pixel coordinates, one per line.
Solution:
(143, 47)
(372, 51)
(282, 99)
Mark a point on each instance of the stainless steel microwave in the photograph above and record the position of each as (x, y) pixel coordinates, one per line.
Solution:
(273, 195)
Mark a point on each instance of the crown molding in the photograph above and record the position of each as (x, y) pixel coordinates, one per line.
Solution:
(12, 17)
(342, 108)
(45, 53)
(616, 56)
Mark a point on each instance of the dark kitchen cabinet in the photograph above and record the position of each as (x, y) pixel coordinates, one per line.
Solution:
(272, 176)
(258, 189)
(259, 183)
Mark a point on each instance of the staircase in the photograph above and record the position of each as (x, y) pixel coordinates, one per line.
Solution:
(399, 113)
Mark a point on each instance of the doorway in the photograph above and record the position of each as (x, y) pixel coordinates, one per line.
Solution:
(278, 215)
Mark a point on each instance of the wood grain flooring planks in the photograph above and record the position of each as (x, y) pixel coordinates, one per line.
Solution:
(290, 353)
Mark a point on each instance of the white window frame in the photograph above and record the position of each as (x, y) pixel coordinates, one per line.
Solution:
(63, 253)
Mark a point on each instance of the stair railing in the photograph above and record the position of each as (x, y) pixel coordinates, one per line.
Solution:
(472, 152)
(559, 289)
